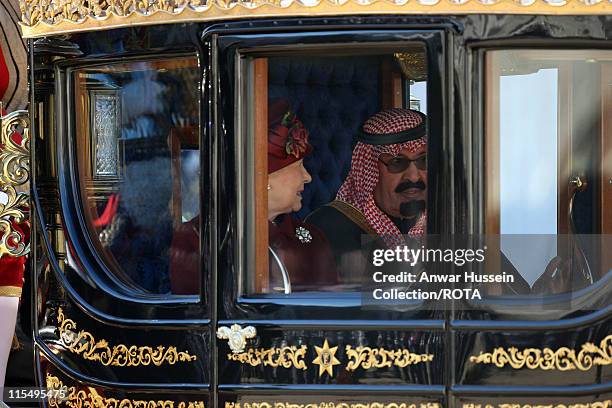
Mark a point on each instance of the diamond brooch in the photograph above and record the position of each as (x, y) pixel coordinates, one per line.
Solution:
(303, 235)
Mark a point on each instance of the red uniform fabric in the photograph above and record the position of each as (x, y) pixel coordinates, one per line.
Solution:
(12, 268)
(13, 58)
(110, 210)
(358, 188)
(4, 74)
(13, 94)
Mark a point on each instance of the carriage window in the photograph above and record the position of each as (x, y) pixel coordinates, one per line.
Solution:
(340, 156)
(137, 138)
(548, 165)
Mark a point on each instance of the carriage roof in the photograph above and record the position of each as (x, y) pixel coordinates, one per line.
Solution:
(48, 17)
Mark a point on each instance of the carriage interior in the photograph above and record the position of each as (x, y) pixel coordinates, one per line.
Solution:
(139, 148)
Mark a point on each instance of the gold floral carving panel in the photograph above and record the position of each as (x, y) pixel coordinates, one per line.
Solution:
(44, 17)
(287, 357)
(277, 404)
(596, 404)
(325, 357)
(562, 359)
(89, 397)
(84, 344)
(15, 162)
(367, 357)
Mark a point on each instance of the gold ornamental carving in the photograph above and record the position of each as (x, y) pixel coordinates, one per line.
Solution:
(15, 154)
(15, 162)
(413, 64)
(596, 404)
(562, 359)
(359, 357)
(84, 344)
(45, 17)
(277, 404)
(90, 397)
(368, 357)
(12, 242)
(236, 336)
(286, 357)
(326, 358)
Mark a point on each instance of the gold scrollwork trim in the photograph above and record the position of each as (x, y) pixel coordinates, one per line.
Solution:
(15, 171)
(596, 404)
(287, 357)
(368, 357)
(15, 155)
(359, 357)
(85, 345)
(12, 242)
(90, 398)
(562, 359)
(44, 17)
(275, 404)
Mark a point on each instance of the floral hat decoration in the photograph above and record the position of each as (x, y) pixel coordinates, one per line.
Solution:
(287, 136)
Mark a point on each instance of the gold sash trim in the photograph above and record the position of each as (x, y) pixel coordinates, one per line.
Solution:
(16, 345)
(11, 291)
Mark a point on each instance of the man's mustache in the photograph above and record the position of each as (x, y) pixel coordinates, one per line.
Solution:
(405, 185)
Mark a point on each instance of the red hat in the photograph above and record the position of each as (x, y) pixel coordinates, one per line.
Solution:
(287, 136)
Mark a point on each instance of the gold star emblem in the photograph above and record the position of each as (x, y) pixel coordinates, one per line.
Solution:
(326, 358)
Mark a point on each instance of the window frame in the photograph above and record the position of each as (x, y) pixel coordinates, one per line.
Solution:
(508, 311)
(92, 264)
(231, 47)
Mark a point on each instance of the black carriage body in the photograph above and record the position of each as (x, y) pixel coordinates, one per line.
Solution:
(109, 342)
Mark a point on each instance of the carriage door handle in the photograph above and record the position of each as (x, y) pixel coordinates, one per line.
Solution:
(236, 336)
(579, 184)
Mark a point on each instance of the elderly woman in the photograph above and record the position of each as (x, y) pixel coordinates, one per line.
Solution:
(300, 257)
(299, 254)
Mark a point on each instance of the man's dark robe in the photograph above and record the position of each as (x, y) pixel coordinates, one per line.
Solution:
(350, 238)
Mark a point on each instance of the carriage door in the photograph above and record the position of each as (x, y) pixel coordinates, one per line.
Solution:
(122, 314)
(291, 329)
(544, 337)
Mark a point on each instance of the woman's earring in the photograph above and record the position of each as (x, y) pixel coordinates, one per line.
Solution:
(269, 187)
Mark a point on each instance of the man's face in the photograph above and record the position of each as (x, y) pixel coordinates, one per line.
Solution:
(396, 187)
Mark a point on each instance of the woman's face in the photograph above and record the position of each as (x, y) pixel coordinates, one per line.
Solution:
(286, 186)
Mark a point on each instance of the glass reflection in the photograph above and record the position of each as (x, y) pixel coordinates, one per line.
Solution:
(548, 139)
(138, 145)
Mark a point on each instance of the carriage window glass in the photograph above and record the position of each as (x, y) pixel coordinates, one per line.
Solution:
(339, 149)
(548, 166)
(137, 136)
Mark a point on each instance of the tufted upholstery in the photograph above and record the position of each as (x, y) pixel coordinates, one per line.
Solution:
(333, 96)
